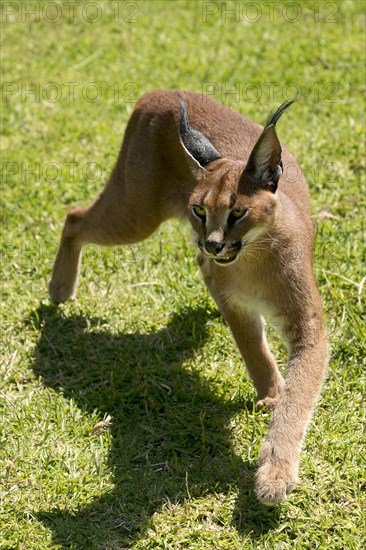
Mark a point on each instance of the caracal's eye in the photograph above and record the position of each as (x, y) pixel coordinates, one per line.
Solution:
(237, 213)
(199, 211)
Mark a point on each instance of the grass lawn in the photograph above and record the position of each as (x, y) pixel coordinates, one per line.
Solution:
(127, 419)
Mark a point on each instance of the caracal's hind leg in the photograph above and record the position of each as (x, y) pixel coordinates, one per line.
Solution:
(114, 218)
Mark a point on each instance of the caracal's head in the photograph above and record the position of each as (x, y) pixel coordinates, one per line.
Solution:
(234, 203)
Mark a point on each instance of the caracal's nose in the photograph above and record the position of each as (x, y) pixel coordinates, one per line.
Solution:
(214, 247)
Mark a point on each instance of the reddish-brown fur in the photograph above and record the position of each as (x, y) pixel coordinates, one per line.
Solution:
(156, 178)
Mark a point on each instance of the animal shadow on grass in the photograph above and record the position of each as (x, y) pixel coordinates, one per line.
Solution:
(170, 434)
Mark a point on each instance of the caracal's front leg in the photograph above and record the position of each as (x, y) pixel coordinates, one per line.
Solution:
(248, 331)
(280, 453)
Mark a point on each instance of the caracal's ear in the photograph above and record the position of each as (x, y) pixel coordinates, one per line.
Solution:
(198, 149)
(264, 165)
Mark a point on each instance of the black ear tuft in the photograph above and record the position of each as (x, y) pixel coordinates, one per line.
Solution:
(274, 116)
(197, 145)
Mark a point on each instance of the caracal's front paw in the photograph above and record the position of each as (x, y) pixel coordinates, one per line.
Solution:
(274, 483)
(276, 476)
(60, 292)
(267, 402)
(269, 397)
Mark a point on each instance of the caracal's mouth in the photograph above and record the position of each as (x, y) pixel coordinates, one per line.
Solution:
(227, 261)
(223, 260)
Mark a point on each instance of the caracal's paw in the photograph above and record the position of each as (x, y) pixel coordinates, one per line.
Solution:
(274, 483)
(277, 473)
(60, 292)
(266, 403)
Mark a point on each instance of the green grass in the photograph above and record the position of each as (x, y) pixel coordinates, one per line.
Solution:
(143, 348)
